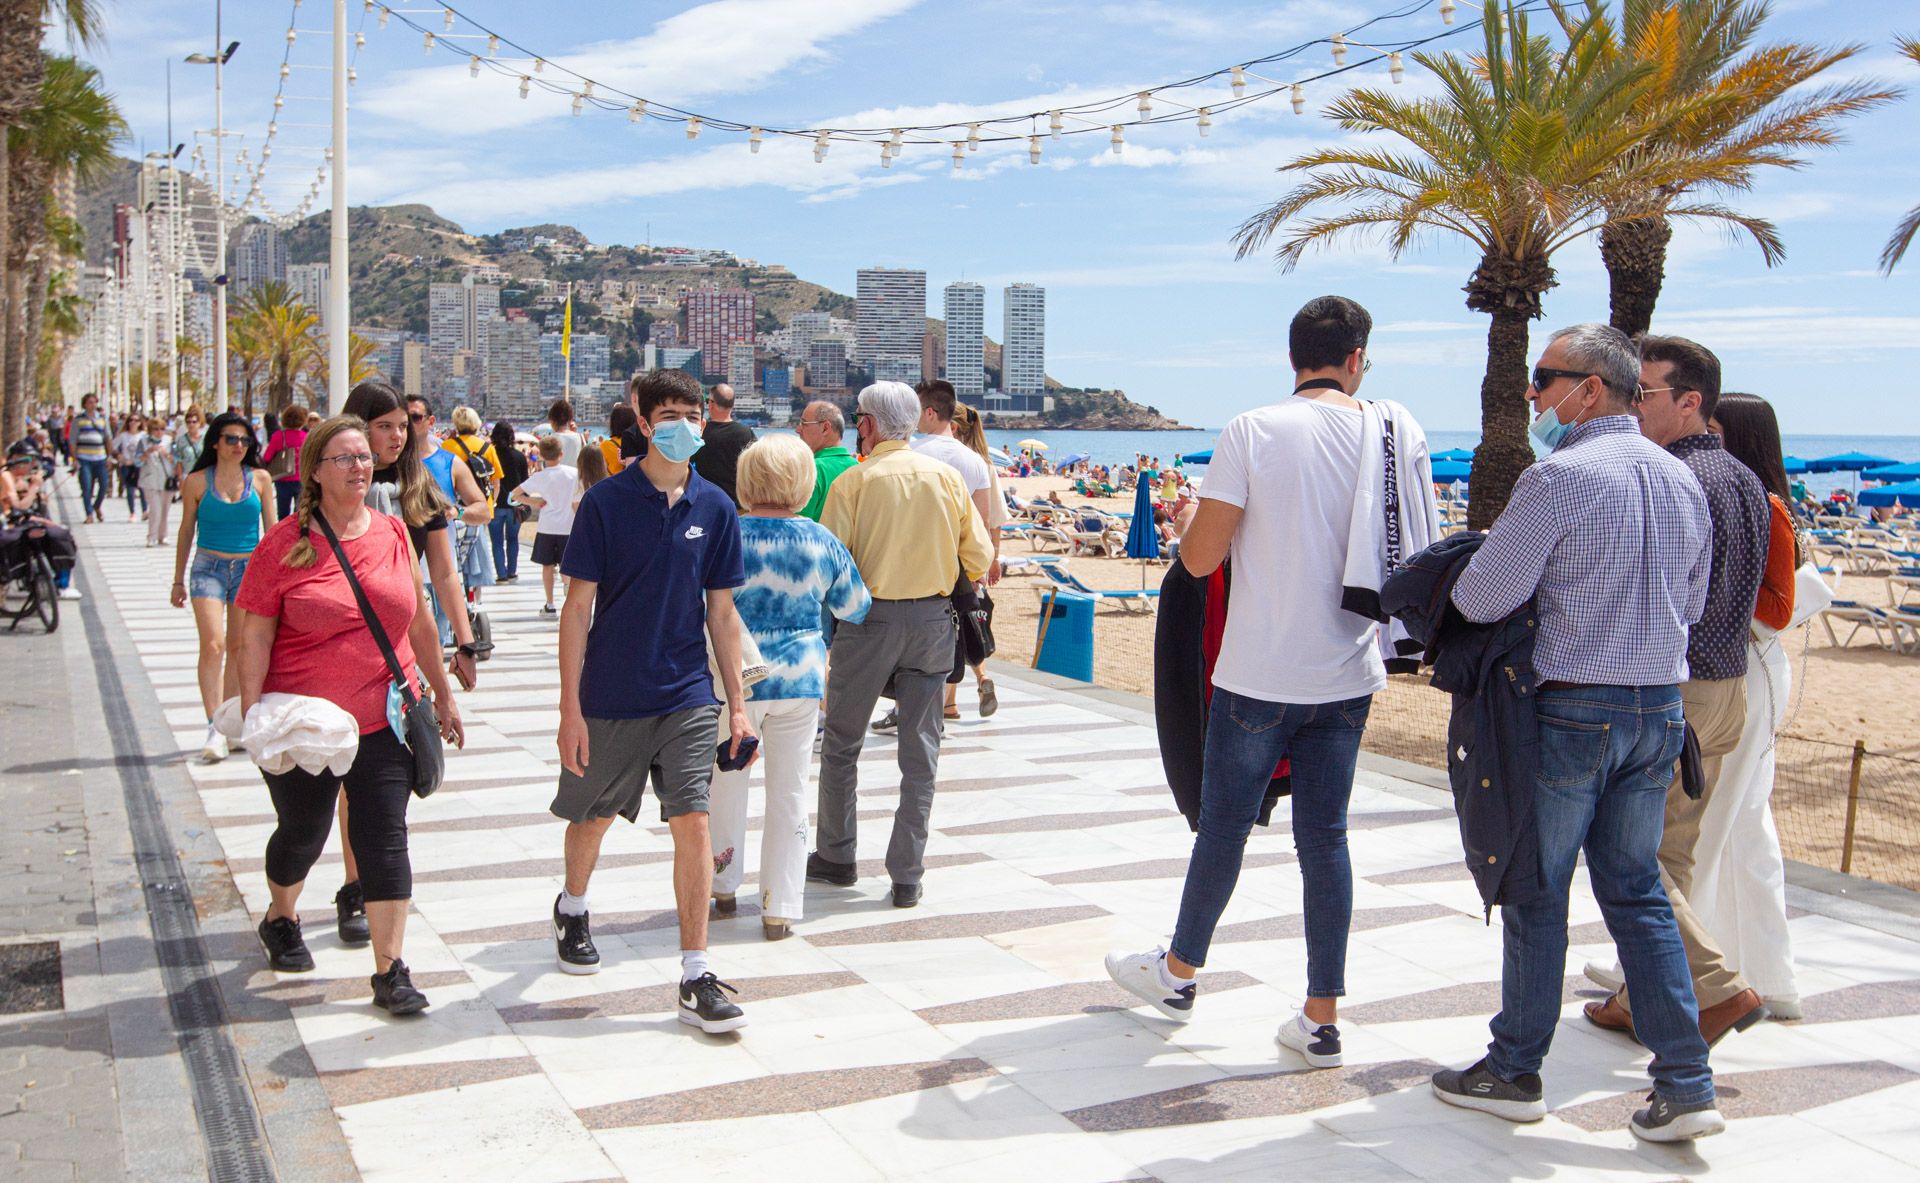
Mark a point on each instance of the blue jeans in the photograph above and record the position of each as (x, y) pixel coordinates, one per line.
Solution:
(1606, 761)
(130, 485)
(1246, 739)
(504, 530)
(93, 485)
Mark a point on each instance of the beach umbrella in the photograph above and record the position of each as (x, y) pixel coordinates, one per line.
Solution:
(1205, 457)
(998, 457)
(1906, 493)
(1894, 472)
(1795, 465)
(1143, 541)
(1464, 455)
(1041, 446)
(1849, 462)
(1446, 472)
(1074, 458)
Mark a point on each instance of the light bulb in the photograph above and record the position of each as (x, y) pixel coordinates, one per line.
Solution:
(359, 40)
(353, 75)
(959, 154)
(1446, 12)
(1146, 103)
(426, 41)
(1503, 22)
(292, 35)
(886, 155)
(820, 144)
(525, 82)
(273, 128)
(447, 15)
(753, 140)
(368, 6)
(493, 44)
(1239, 80)
(1054, 124)
(587, 88)
(638, 111)
(1119, 139)
(973, 137)
(895, 142)
(279, 101)
(1206, 120)
(1299, 95)
(285, 70)
(693, 127)
(473, 65)
(1395, 69)
(385, 12)
(1033, 149)
(266, 153)
(327, 155)
(539, 65)
(578, 101)
(1339, 49)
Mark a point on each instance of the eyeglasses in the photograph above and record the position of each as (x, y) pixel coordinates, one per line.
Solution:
(238, 440)
(1543, 377)
(347, 461)
(418, 418)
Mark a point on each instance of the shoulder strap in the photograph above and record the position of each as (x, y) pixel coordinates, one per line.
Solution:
(464, 450)
(366, 611)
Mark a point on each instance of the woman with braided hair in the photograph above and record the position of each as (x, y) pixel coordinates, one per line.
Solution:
(305, 633)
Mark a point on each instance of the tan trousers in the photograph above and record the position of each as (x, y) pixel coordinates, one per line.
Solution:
(1718, 712)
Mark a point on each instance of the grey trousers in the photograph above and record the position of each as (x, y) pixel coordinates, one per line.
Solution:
(912, 643)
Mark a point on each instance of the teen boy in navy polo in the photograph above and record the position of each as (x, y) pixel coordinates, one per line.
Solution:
(651, 564)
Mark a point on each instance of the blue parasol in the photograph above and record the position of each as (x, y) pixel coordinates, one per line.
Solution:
(1849, 462)
(1143, 541)
(1795, 465)
(1906, 493)
(1462, 454)
(1205, 457)
(1894, 472)
(1446, 472)
(1074, 458)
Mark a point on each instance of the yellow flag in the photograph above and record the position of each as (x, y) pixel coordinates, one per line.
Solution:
(566, 327)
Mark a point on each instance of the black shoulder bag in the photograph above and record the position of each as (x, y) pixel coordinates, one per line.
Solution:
(422, 736)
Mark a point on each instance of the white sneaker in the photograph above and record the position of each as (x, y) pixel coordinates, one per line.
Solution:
(1605, 975)
(1317, 1043)
(1785, 1008)
(215, 749)
(1139, 974)
(70, 593)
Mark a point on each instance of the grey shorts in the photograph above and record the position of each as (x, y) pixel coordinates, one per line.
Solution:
(677, 750)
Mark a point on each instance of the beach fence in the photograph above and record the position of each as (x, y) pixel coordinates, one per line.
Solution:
(1843, 806)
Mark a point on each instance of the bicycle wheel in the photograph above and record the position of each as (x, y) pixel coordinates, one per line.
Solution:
(45, 595)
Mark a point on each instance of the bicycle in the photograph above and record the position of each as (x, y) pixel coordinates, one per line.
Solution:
(27, 582)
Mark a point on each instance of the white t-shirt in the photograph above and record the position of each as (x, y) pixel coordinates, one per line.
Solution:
(957, 456)
(569, 451)
(557, 487)
(1292, 467)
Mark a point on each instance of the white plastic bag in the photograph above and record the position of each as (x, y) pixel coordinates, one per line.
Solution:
(285, 731)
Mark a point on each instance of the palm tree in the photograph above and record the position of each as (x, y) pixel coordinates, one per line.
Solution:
(1524, 151)
(70, 133)
(22, 26)
(1909, 225)
(247, 354)
(1762, 114)
(62, 319)
(360, 367)
(283, 333)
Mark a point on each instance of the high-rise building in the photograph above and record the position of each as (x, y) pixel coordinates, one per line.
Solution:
(307, 282)
(664, 333)
(891, 317)
(897, 369)
(1023, 356)
(803, 330)
(717, 319)
(966, 313)
(679, 357)
(413, 368)
(513, 370)
(389, 350)
(457, 318)
(259, 255)
(740, 368)
(592, 360)
(827, 364)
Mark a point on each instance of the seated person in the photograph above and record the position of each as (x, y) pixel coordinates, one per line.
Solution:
(20, 521)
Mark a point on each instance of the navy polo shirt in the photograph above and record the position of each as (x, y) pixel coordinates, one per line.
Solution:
(647, 646)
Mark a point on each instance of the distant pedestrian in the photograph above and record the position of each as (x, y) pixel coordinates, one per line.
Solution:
(504, 530)
(90, 439)
(282, 457)
(724, 441)
(560, 419)
(158, 477)
(128, 446)
(553, 491)
(823, 428)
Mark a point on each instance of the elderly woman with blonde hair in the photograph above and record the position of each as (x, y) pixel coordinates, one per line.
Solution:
(796, 570)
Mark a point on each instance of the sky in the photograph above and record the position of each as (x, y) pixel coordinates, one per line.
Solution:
(1143, 291)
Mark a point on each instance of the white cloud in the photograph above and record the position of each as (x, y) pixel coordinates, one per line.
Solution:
(1805, 334)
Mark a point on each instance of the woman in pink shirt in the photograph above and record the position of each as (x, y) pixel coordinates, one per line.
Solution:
(282, 457)
(305, 634)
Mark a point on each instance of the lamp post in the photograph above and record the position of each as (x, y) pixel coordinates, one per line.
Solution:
(218, 62)
(339, 374)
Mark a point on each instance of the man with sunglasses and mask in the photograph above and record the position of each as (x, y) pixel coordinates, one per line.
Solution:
(1608, 536)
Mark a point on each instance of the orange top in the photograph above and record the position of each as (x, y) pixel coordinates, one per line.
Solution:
(1775, 606)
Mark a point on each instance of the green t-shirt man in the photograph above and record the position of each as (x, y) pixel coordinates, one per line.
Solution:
(828, 464)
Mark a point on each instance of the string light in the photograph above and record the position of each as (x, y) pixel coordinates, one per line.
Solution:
(539, 65)
(886, 155)
(473, 65)
(894, 143)
(493, 44)
(638, 111)
(973, 137)
(291, 35)
(753, 142)
(578, 102)
(1446, 12)
(1205, 121)
(1298, 94)
(449, 18)
(1395, 70)
(1339, 49)
(693, 127)
(359, 40)
(1054, 124)
(525, 83)
(820, 147)
(959, 154)
(587, 89)
(385, 12)
(1146, 103)
(427, 42)
(1239, 81)
(1119, 139)
(1033, 149)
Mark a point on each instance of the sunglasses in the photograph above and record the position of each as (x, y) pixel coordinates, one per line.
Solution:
(418, 418)
(238, 440)
(1543, 377)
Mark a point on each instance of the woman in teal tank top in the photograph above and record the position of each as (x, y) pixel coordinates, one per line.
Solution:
(226, 504)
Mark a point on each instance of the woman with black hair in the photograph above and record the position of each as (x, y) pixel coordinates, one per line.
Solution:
(504, 529)
(1739, 880)
(226, 503)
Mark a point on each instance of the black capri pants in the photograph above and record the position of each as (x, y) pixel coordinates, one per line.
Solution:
(378, 786)
(969, 648)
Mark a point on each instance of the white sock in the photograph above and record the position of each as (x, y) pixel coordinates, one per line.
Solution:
(1167, 980)
(693, 963)
(572, 905)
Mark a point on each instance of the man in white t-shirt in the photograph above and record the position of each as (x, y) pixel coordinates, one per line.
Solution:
(554, 491)
(1296, 673)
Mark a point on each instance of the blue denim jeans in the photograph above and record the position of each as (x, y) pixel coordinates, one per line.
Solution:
(504, 531)
(1246, 739)
(1606, 761)
(93, 485)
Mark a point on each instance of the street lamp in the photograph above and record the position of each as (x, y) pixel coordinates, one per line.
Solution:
(172, 263)
(218, 62)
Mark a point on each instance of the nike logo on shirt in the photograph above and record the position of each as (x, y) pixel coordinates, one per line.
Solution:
(695, 532)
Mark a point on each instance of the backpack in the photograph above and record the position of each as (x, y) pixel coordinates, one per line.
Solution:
(480, 466)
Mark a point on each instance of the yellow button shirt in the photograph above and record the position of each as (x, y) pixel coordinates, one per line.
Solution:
(909, 524)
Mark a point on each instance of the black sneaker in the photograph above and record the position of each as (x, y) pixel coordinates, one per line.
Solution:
(823, 870)
(1667, 1121)
(1317, 1043)
(1478, 1088)
(286, 952)
(703, 1005)
(573, 944)
(887, 724)
(350, 914)
(393, 991)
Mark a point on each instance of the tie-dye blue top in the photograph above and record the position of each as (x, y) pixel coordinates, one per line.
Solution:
(795, 567)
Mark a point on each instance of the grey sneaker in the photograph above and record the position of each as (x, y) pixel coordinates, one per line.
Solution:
(1478, 1088)
(1667, 1121)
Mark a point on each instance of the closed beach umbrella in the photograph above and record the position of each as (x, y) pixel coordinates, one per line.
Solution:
(1909, 471)
(1446, 472)
(1905, 493)
(1205, 457)
(1795, 465)
(1464, 455)
(1143, 541)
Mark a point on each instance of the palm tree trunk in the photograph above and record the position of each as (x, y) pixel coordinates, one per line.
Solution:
(1635, 254)
(1504, 452)
(35, 320)
(10, 428)
(14, 420)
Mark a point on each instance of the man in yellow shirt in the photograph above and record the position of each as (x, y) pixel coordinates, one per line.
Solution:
(912, 531)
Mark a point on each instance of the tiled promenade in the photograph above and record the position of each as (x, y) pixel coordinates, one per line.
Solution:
(977, 1036)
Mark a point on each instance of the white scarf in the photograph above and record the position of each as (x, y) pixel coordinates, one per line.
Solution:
(1394, 517)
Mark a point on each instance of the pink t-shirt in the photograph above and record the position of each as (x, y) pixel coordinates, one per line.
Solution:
(285, 441)
(323, 647)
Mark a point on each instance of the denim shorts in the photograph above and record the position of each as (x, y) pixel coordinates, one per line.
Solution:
(214, 578)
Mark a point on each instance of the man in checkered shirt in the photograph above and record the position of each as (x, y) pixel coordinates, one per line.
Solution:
(1608, 536)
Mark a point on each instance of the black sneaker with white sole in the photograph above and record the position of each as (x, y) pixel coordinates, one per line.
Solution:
(394, 991)
(887, 724)
(1317, 1043)
(1668, 1121)
(1139, 975)
(350, 914)
(286, 949)
(1478, 1088)
(703, 1005)
(573, 943)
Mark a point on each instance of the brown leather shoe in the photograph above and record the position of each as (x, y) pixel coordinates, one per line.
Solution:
(1738, 1013)
(1610, 1016)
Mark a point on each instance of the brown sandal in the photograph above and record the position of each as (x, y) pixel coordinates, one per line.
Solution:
(951, 713)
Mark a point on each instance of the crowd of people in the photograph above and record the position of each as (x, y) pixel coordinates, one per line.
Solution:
(725, 602)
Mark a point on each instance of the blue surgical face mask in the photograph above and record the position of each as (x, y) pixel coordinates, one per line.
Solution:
(678, 440)
(1549, 428)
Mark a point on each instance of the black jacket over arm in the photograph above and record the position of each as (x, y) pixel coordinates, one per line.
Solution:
(1492, 735)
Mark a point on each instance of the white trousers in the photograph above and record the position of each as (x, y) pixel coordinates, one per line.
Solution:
(159, 505)
(785, 727)
(1739, 881)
